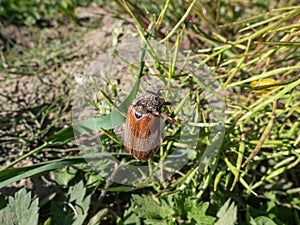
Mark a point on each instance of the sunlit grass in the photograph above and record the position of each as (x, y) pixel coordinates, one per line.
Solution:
(253, 49)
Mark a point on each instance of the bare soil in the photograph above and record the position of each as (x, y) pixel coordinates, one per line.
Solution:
(34, 80)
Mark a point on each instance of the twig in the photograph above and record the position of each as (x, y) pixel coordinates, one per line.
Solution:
(109, 182)
(264, 136)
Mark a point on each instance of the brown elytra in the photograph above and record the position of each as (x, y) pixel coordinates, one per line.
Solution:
(143, 126)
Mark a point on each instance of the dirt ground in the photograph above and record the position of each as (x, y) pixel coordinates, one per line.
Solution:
(37, 77)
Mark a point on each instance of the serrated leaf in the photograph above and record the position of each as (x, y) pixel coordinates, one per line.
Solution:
(130, 218)
(6, 217)
(20, 210)
(71, 208)
(227, 214)
(147, 207)
(197, 213)
(77, 194)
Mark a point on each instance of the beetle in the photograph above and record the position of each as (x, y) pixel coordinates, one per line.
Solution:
(144, 125)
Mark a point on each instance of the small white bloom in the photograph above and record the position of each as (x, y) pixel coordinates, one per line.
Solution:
(80, 79)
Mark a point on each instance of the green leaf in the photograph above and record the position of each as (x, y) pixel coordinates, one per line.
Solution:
(82, 203)
(147, 207)
(106, 212)
(130, 218)
(262, 220)
(96, 219)
(227, 214)
(71, 208)
(197, 213)
(121, 189)
(62, 136)
(48, 221)
(64, 175)
(20, 210)
(12, 175)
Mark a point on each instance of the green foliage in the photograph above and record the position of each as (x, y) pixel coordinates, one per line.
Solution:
(146, 207)
(21, 210)
(37, 12)
(262, 220)
(67, 208)
(227, 214)
(72, 207)
(169, 210)
(197, 213)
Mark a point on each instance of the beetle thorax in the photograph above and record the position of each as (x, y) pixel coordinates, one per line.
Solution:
(148, 104)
